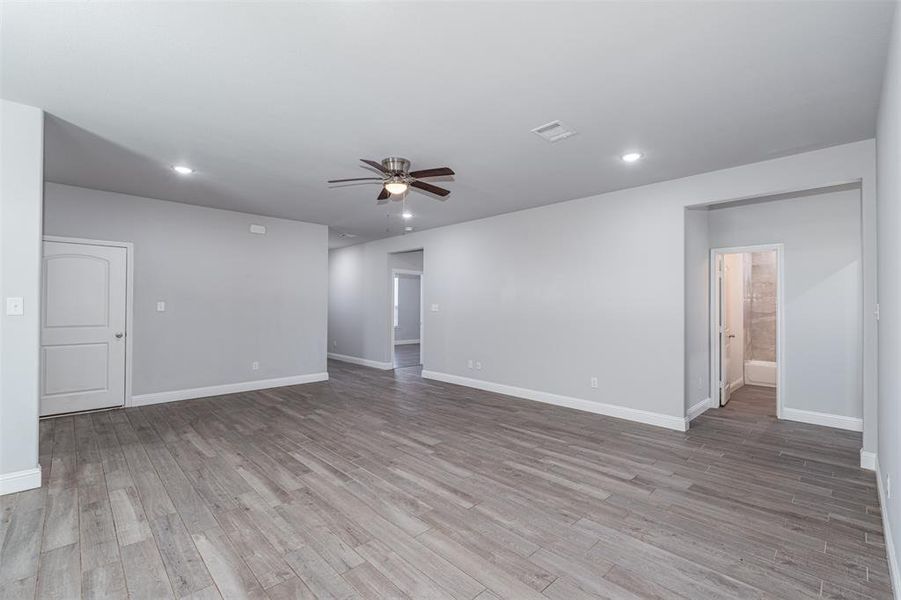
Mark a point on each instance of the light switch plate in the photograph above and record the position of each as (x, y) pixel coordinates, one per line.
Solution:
(15, 307)
(434, 308)
(160, 306)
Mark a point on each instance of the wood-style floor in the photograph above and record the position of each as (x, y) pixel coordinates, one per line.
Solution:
(406, 355)
(379, 484)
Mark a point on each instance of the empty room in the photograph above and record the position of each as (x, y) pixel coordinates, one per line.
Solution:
(450, 300)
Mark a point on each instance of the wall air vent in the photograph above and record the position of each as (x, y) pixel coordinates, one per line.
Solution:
(554, 131)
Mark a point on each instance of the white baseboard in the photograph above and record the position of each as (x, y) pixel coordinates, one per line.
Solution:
(695, 410)
(894, 569)
(600, 408)
(736, 383)
(365, 362)
(760, 372)
(229, 388)
(825, 419)
(867, 460)
(19, 481)
(405, 342)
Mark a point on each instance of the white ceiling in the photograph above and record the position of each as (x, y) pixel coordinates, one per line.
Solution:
(269, 100)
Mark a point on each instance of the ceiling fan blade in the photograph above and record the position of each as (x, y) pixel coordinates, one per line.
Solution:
(374, 164)
(438, 172)
(428, 187)
(355, 179)
(383, 195)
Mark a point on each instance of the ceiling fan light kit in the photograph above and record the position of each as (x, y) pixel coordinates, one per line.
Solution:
(397, 177)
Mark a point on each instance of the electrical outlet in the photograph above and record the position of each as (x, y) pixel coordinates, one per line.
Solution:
(478, 366)
(469, 363)
(334, 343)
(594, 382)
(255, 366)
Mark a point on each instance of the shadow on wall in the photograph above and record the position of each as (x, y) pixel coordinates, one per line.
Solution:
(78, 157)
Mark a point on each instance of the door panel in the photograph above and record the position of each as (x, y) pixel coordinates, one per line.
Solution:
(82, 327)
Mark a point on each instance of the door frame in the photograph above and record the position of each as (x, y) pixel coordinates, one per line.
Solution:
(129, 297)
(394, 273)
(714, 311)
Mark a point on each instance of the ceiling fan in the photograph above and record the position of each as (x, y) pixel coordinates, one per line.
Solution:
(397, 178)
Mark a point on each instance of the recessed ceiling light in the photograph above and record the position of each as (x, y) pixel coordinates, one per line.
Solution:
(182, 170)
(407, 214)
(408, 228)
(631, 157)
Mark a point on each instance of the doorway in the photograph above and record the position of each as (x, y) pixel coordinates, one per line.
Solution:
(85, 321)
(405, 326)
(746, 333)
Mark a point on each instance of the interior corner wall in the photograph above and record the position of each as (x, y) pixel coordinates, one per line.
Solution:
(888, 146)
(21, 189)
(232, 297)
(697, 308)
(548, 297)
(823, 271)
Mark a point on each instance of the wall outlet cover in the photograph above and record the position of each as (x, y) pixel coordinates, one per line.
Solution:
(15, 307)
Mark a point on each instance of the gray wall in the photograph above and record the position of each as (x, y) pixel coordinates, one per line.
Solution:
(411, 261)
(823, 271)
(697, 308)
(888, 143)
(21, 182)
(232, 297)
(547, 297)
(407, 308)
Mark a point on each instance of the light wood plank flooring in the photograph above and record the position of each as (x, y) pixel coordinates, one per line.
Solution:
(380, 484)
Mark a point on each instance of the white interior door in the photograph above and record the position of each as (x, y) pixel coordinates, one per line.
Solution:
(723, 361)
(82, 327)
(731, 325)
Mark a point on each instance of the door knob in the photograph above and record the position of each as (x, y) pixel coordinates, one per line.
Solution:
(119, 335)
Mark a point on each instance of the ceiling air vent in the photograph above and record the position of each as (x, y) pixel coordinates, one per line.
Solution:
(554, 131)
(343, 234)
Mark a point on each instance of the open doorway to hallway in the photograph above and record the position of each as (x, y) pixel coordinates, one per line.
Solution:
(406, 308)
(747, 337)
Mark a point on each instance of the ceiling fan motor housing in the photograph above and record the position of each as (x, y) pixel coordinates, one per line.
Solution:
(396, 165)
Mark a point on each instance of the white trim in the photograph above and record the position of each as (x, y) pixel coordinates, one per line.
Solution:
(129, 298)
(610, 410)
(780, 320)
(867, 460)
(229, 388)
(761, 372)
(893, 568)
(405, 342)
(736, 383)
(821, 418)
(697, 409)
(19, 481)
(365, 362)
